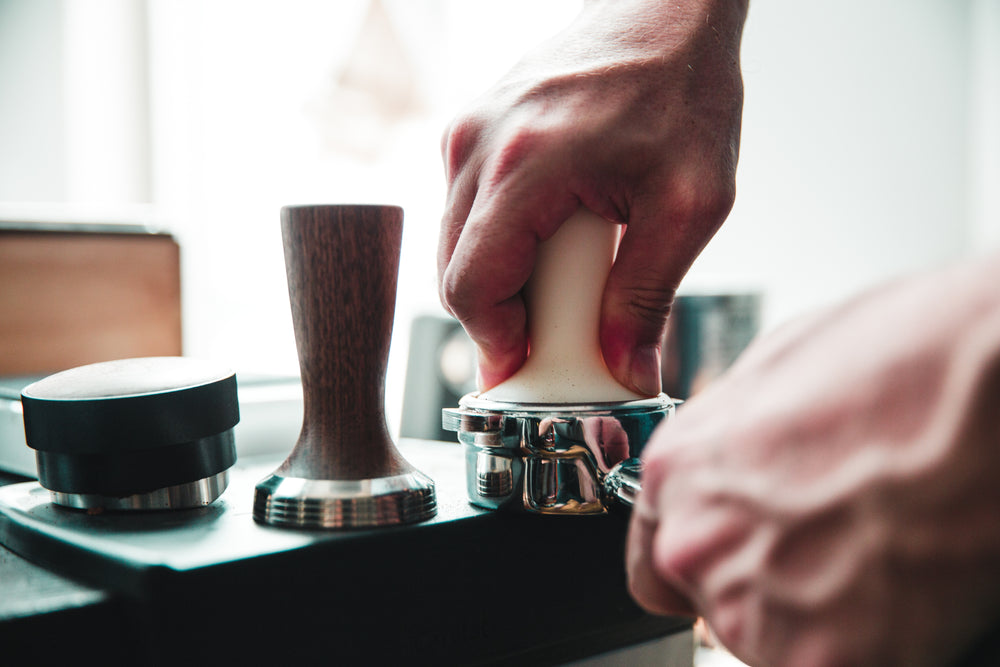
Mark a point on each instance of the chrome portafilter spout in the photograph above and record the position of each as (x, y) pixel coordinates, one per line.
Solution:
(561, 436)
(344, 471)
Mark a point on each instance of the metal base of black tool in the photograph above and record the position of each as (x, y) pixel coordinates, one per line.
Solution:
(179, 496)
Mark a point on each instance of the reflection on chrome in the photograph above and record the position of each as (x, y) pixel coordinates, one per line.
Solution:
(199, 493)
(554, 459)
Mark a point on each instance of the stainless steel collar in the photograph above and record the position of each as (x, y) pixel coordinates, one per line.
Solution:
(554, 458)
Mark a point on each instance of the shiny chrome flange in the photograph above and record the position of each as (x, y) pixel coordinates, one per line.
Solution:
(180, 496)
(363, 503)
(554, 459)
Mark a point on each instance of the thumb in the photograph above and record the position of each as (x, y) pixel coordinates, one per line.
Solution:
(652, 259)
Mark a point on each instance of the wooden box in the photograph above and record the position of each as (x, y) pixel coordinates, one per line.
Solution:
(73, 295)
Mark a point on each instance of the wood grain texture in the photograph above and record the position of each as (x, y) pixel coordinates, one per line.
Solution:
(74, 298)
(342, 264)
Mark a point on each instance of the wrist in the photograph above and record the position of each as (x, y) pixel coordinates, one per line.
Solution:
(670, 24)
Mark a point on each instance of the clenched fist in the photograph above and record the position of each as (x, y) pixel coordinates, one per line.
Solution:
(834, 499)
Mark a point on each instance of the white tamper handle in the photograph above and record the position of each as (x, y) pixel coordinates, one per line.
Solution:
(565, 363)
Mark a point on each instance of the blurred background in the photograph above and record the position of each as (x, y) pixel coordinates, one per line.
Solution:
(871, 140)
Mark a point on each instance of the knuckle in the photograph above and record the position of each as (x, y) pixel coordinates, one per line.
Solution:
(459, 141)
(461, 293)
(699, 199)
(730, 629)
(678, 561)
(452, 293)
(516, 146)
(503, 149)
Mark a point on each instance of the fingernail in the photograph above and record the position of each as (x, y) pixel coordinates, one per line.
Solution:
(644, 370)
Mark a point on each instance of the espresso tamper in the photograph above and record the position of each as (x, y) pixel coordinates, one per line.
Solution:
(344, 471)
(561, 436)
(134, 434)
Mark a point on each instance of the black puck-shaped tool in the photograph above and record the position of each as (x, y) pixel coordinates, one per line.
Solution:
(134, 434)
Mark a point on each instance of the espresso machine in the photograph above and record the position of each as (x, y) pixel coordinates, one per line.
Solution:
(144, 540)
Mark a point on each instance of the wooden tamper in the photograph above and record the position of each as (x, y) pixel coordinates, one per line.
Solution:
(344, 471)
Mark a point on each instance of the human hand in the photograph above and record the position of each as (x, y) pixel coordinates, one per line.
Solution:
(833, 499)
(633, 112)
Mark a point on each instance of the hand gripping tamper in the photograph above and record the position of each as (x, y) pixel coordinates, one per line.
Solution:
(345, 470)
(561, 436)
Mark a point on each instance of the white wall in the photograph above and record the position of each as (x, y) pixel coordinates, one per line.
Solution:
(32, 136)
(73, 102)
(106, 88)
(855, 148)
(984, 136)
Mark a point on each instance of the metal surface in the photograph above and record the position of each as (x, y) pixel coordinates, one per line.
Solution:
(554, 459)
(364, 503)
(624, 481)
(180, 496)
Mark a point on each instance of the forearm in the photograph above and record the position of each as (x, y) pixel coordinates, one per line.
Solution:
(644, 29)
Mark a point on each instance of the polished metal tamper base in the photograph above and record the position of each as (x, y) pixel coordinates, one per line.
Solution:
(363, 503)
(179, 496)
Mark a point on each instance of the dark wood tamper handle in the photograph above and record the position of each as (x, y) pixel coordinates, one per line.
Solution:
(345, 471)
(342, 264)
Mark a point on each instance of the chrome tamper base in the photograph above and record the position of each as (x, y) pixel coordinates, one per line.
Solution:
(363, 503)
(345, 470)
(554, 458)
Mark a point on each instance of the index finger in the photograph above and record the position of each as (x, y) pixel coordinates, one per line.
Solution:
(493, 257)
(495, 219)
(647, 588)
